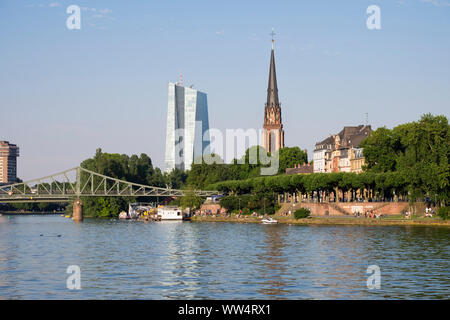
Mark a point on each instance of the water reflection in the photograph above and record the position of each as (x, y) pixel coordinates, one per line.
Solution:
(272, 262)
(133, 260)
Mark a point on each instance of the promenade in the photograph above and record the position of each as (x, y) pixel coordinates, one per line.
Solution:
(314, 220)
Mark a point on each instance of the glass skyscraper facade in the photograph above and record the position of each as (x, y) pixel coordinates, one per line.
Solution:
(187, 133)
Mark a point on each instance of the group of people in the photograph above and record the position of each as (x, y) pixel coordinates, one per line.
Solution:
(205, 212)
(369, 214)
(429, 212)
(372, 215)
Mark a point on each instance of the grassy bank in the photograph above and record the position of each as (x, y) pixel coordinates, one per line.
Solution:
(388, 221)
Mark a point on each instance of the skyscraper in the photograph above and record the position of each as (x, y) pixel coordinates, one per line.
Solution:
(273, 133)
(187, 135)
(8, 162)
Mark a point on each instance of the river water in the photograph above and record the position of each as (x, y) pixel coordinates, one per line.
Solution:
(187, 260)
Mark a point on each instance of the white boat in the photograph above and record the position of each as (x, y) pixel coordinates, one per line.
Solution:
(269, 221)
(170, 213)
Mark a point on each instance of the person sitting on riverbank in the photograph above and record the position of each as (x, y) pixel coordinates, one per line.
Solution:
(408, 215)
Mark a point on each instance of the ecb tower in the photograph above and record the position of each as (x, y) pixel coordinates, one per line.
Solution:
(272, 133)
(187, 135)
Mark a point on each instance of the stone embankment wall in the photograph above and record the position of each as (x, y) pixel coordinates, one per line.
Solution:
(335, 209)
(348, 208)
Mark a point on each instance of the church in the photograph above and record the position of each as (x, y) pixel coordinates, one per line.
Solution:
(272, 134)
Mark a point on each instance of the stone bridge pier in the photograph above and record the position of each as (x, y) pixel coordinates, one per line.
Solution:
(77, 210)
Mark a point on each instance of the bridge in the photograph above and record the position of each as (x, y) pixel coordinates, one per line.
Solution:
(59, 187)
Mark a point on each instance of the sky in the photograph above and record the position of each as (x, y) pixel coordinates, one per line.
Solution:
(64, 93)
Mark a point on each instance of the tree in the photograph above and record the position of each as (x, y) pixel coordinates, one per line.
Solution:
(176, 179)
(132, 169)
(302, 213)
(418, 151)
(380, 150)
(289, 157)
(191, 200)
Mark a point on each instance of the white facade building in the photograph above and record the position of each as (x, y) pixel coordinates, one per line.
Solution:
(319, 160)
(187, 133)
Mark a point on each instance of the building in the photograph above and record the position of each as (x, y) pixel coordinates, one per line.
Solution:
(273, 134)
(8, 162)
(341, 152)
(305, 168)
(356, 160)
(187, 132)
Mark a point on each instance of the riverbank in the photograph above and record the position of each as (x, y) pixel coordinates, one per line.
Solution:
(388, 221)
(29, 213)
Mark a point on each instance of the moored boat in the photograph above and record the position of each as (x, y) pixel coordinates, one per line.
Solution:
(269, 221)
(170, 213)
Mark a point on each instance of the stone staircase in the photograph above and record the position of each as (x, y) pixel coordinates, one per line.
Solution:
(338, 208)
(384, 204)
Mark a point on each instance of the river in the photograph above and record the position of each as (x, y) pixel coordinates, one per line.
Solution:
(187, 260)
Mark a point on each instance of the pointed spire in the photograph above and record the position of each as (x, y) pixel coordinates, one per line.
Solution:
(272, 89)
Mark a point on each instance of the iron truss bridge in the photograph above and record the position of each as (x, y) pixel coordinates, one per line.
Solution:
(58, 187)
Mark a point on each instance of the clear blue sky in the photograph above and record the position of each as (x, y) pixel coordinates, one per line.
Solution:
(64, 93)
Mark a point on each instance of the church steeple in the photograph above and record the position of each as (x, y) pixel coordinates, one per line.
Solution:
(273, 135)
(272, 89)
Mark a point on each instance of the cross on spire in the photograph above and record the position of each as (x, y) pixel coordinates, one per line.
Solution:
(272, 34)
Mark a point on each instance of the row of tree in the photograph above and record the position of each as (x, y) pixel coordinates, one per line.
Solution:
(381, 185)
(410, 161)
(206, 173)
